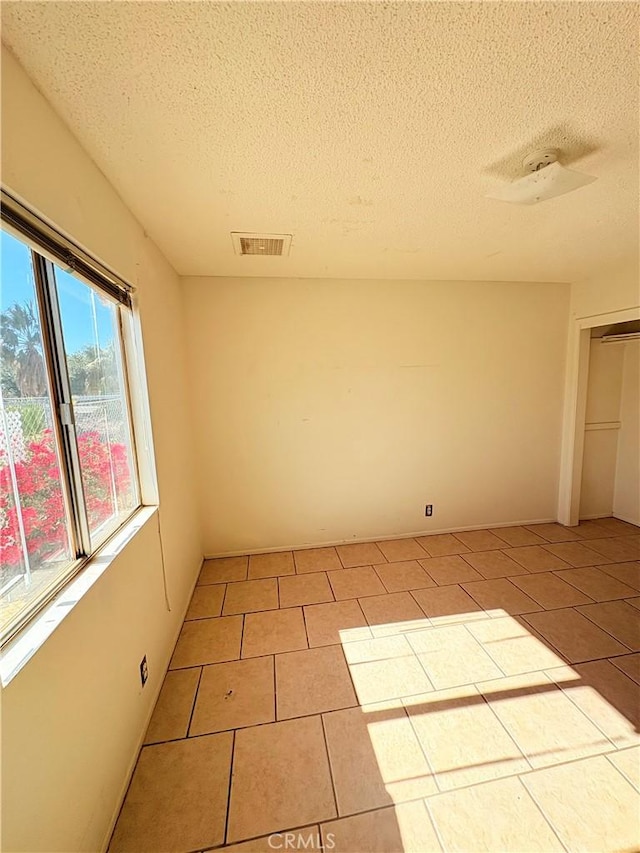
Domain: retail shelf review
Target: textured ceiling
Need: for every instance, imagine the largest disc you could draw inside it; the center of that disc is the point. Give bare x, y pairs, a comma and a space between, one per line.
368, 130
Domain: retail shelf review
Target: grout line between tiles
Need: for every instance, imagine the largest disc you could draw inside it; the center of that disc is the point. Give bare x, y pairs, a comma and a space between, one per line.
568, 694
506, 730
195, 699
226, 817
606, 631
422, 749
608, 755
543, 813
486, 650
224, 598
276, 717
326, 749
436, 829
604, 575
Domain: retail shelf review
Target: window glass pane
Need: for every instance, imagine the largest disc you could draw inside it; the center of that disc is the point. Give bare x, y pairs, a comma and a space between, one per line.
34, 529
94, 361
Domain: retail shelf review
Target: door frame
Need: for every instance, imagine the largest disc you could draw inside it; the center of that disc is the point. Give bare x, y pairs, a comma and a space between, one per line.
575, 407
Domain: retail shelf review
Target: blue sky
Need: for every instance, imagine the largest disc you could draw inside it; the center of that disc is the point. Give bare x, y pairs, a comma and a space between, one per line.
83, 311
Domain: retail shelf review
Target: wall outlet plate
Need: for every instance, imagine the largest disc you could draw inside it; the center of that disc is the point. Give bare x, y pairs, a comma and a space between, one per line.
428, 510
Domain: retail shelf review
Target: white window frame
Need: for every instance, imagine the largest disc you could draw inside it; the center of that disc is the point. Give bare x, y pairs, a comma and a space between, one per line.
49, 248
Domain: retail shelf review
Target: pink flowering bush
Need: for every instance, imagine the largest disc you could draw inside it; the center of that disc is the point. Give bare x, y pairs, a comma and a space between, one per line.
104, 468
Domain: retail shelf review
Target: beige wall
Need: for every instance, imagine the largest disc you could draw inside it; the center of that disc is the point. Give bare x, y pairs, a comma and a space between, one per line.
73, 717
335, 410
616, 291
626, 499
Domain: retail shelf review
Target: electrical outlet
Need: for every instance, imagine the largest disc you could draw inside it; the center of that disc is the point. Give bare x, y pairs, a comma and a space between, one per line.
144, 671
428, 510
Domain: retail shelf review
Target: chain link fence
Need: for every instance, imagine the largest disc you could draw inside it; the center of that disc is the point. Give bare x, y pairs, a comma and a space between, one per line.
28, 417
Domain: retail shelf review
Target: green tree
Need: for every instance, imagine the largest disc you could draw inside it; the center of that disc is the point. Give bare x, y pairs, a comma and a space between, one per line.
93, 371
21, 352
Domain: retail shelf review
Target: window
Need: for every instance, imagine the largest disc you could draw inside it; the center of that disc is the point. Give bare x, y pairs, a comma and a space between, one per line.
68, 474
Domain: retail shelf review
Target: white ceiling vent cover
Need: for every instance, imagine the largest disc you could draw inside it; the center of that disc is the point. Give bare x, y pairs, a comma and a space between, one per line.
261, 244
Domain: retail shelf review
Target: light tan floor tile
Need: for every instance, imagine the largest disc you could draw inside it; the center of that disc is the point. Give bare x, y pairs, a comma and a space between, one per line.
597, 584
547, 727
494, 564
316, 560
375, 758
494, 816
273, 631
360, 554
171, 715
281, 778
480, 540
251, 596
234, 695
177, 799
445, 604
355, 583
576, 554
513, 646
591, 529
517, 536
575, 636
206, 602
208, 641
462, 739
378, 648
589, 804
550, 591
628, 573
223, 570
399, 550
616, 527
307, 838
553, 532
451, 656
393, 613
311, 588
605, 695
405, 827
536, 559
627, 761
336, 622
500, 595
617, 550
442, 545
312, 681
400, 577
616, 618
271, 565
448, 570
391, 678
630, 665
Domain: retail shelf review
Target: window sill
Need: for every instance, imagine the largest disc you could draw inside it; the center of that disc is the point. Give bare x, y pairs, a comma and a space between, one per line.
21, 648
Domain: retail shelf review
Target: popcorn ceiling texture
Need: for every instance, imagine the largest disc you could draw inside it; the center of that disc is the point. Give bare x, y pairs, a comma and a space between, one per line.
367, 130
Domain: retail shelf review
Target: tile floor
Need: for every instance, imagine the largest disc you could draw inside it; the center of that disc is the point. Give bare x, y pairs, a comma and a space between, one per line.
476, 691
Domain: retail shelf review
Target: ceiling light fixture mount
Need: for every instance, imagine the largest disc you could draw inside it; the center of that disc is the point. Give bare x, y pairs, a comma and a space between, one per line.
545, 179
539, 159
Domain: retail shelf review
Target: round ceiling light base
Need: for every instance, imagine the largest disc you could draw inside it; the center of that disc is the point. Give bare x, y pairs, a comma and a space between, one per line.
539, 159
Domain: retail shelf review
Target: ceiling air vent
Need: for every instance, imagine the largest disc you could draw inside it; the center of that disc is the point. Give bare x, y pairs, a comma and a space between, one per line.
261, 244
